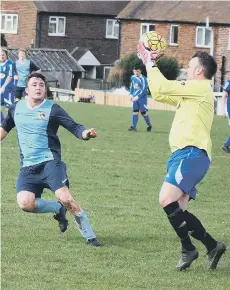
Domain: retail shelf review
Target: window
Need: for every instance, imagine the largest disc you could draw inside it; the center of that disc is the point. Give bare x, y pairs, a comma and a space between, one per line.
203, 36
146, 27
112, 28
57, 26
174, 34
107, 70
9, 23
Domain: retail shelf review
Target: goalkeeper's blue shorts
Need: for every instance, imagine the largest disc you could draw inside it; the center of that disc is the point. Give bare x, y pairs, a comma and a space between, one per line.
140, 105
186, 168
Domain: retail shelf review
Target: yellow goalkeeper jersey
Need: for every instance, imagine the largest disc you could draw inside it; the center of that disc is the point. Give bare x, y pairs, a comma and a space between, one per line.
195, 109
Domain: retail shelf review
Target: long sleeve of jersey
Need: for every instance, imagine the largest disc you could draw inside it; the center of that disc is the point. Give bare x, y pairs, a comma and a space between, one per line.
171, 92
62, 118
8, 123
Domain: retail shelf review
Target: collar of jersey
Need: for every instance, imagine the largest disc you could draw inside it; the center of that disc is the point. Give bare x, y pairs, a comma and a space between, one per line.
36, 107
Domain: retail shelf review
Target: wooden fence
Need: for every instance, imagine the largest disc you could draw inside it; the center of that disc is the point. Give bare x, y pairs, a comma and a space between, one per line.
111, 99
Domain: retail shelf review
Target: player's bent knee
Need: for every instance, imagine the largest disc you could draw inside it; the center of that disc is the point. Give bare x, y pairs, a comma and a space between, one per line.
26, 201
164, 202
169, 193
143, 114
66, 200
64, 195
26, 205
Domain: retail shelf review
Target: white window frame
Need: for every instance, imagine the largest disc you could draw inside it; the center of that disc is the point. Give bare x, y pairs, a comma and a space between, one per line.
115, 23
56, 21
11, 16
204, 30
170, 36
146, 24
105, 68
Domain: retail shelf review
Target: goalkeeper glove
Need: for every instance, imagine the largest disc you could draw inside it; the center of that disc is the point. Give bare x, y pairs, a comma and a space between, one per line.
148, 57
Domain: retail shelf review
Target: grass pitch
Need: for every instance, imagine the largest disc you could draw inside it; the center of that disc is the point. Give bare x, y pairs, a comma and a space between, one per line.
116, 179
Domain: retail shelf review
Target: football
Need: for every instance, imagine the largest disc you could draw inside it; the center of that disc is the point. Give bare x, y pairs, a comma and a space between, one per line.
153, 41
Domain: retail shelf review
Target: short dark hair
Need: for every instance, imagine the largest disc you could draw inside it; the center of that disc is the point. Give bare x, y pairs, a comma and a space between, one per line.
22, 50
36, 75
137, 67
208, 62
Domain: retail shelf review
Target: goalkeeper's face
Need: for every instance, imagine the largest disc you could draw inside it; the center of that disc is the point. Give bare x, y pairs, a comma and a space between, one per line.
194, 70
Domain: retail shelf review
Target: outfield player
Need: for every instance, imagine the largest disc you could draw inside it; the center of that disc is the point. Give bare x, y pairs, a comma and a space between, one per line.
7, 71
24, 67
139, 97
190, 143
226, 112
37, 120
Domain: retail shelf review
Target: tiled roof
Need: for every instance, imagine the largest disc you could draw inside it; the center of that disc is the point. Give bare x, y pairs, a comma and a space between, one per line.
178, 11
111, 8
49, 59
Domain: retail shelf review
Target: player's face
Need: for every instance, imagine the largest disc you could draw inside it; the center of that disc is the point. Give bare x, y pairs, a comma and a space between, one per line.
3, 56
137, 72
21, 55
194, 69
36, 89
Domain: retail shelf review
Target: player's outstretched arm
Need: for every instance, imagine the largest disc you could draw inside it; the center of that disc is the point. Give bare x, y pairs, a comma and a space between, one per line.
62, 118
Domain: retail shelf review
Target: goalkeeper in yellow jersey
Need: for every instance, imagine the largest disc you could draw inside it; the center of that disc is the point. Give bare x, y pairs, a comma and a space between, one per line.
190, 144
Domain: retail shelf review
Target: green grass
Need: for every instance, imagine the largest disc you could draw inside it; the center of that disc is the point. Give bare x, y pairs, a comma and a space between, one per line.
116, 179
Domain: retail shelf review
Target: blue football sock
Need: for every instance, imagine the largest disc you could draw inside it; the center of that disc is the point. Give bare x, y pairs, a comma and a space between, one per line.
147, 120
134, 121
227, 143
45, 206
84, 226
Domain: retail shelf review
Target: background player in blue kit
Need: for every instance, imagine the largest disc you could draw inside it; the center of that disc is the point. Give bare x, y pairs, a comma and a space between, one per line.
139, 97
226, 112
37, 120
7, 72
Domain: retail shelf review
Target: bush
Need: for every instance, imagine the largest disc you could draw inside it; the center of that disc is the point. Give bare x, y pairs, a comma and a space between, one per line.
121, 73
169, 67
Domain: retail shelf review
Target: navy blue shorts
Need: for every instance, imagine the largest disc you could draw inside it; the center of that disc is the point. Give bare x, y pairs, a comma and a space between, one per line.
51, 174
140, 105
186, 168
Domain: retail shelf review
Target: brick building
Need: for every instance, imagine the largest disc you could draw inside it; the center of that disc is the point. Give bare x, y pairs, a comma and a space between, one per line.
182, 23
65, 24
18, 22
